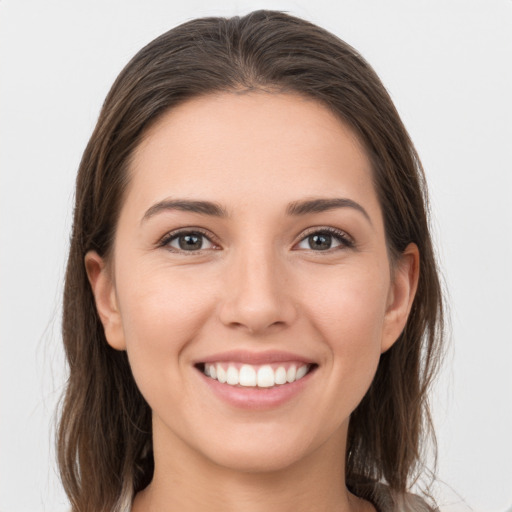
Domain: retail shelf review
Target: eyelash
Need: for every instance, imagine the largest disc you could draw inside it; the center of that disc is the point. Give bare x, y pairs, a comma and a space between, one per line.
345, 241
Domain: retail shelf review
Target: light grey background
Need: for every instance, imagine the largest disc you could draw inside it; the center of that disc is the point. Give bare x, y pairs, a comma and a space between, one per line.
448, 67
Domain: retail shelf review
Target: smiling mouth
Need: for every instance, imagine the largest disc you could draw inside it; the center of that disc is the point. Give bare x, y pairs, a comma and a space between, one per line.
256, 376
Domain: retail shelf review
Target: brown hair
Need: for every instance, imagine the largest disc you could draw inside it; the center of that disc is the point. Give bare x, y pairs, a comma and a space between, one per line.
104, 439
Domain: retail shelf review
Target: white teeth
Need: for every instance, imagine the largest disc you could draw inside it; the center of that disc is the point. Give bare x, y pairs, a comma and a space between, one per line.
232, 376
290, 374
247, 376
280, 375
266, 377
301, 372
221, 374
250, 376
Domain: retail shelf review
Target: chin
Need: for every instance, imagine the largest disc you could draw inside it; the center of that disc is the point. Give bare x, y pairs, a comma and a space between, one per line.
246, 460
263, 450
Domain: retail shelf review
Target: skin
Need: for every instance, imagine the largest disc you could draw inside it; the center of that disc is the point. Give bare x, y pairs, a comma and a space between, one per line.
257, 284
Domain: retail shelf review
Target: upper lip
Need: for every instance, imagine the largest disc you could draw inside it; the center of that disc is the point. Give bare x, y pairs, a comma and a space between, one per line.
251, 357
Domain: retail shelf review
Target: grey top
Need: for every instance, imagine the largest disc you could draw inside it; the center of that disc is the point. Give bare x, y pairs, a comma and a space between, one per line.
380, 496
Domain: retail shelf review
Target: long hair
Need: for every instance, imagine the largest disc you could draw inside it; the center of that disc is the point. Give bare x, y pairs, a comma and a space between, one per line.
104, 439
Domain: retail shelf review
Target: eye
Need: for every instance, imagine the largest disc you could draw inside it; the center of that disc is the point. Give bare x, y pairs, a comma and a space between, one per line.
325, 239
188, 241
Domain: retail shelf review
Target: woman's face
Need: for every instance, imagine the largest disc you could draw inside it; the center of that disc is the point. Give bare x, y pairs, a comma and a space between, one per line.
250, 247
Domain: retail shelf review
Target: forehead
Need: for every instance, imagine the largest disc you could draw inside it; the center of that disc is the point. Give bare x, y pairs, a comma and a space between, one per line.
255, 148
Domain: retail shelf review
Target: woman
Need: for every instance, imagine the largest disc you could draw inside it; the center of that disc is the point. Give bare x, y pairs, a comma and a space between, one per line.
252, 312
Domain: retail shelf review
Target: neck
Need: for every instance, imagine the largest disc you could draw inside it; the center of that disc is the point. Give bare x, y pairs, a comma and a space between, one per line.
185, 481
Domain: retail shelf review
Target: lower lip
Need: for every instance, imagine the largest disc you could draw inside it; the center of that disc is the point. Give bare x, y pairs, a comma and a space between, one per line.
252, 398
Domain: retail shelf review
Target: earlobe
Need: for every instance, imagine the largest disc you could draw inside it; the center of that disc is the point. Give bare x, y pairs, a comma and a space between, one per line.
401, 295
104, 293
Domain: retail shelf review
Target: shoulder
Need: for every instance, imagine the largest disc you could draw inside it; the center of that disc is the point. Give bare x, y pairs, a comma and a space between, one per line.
385, 501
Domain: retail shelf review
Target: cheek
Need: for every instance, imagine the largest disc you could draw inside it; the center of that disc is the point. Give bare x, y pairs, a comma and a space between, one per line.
349, 316
158, 303
349, 305
161, 313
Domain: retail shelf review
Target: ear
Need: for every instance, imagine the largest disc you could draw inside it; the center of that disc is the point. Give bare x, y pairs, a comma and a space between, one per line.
401, 295
104, 293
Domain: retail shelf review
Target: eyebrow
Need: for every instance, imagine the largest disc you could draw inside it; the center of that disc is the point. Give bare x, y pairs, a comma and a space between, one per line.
324, 205
186, 205
213, 209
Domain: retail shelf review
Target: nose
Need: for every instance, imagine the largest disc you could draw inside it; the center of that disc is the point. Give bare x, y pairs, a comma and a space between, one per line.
258, 297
